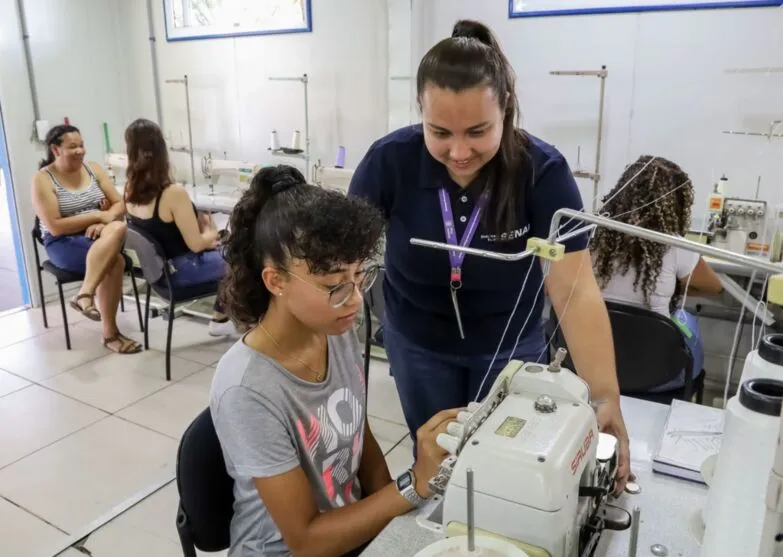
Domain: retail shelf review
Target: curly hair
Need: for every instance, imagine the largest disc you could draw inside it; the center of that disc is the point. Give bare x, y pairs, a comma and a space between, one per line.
659, 197
148, 172
281, 217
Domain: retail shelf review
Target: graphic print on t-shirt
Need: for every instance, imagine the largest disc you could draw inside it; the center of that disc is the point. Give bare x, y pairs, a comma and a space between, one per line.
333, 440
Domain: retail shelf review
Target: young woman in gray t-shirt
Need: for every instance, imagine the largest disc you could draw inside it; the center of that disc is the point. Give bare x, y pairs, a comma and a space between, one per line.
288, 400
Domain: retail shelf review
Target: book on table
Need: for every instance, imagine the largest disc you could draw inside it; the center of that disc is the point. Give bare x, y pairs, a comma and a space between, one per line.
692, 434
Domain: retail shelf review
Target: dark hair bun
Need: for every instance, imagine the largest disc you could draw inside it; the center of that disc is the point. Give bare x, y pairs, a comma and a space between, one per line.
470, 29
274, 179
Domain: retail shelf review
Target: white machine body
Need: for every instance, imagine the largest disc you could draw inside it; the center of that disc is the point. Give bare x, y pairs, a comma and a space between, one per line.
530, 454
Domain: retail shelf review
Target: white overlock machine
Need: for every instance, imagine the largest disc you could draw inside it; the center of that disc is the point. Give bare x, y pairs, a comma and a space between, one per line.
543, 472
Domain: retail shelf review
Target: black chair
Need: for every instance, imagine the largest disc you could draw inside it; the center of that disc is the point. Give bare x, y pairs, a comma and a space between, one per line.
206, 491
373, 306
649, 350
155, 269
62, 277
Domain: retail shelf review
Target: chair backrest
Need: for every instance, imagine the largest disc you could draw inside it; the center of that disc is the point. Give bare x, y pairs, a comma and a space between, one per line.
37, 234
149, 252
374, 297
649, 348
206, 491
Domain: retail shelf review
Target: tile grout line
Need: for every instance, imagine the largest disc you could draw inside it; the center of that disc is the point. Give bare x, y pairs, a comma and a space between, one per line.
42, 519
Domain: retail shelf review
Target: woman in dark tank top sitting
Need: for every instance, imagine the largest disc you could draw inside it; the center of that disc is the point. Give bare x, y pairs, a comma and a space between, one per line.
163, 209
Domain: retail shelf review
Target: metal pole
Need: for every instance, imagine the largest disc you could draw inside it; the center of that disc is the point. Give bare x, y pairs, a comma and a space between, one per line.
596, 177
306, 80
497, 255
190, 134
28, 58
722, 254
471, 514
634, 541
155, 72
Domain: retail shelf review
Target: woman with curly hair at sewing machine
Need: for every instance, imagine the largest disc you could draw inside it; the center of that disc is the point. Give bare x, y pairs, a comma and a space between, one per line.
289, 399
656, 194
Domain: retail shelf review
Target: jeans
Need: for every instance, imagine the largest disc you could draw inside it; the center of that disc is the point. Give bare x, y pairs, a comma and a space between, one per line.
689, 326
192, 269
429, 382
68, 252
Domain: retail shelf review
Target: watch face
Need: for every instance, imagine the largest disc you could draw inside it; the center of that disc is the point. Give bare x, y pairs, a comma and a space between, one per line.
404, 481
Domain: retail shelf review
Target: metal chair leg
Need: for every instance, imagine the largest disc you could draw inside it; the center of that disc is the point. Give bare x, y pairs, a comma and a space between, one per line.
146, 327
122, 303
172, 304
136, 296
185, 539
65, 316
43, 301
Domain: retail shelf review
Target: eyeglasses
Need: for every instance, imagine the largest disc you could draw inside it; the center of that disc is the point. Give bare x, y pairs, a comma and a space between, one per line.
340, 294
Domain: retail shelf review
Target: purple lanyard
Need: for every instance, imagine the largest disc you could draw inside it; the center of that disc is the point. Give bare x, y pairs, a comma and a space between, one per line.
456, 258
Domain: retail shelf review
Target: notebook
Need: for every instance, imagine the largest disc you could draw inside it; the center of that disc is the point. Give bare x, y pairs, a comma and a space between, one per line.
692, 434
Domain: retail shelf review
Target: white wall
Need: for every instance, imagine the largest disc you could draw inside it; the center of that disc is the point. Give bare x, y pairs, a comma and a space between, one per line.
667, 90
78, 68
235, 106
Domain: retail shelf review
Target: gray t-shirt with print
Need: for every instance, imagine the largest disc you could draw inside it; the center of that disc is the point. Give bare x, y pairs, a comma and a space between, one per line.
270, 422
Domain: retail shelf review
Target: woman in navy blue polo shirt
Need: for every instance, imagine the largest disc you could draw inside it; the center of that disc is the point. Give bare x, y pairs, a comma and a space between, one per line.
468, 164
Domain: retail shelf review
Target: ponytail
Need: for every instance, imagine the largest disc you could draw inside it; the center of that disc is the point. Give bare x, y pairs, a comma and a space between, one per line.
473, 57
248, 245
55, 137
280, 218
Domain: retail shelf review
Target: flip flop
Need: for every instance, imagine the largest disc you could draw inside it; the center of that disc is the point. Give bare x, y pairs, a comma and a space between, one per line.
89, 311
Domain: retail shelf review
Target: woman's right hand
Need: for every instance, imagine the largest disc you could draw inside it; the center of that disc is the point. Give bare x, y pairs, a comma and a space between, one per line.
430, 455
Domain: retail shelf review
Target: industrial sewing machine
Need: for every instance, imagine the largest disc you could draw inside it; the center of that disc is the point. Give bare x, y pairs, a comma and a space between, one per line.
736, 224
543, 471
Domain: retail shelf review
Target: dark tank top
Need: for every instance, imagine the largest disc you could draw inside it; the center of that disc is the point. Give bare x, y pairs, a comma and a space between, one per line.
165, 233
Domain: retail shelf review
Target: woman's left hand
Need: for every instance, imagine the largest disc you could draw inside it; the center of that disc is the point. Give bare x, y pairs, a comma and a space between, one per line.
610, 420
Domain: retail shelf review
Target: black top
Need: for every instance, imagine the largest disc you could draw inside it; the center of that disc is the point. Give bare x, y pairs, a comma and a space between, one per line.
167, 234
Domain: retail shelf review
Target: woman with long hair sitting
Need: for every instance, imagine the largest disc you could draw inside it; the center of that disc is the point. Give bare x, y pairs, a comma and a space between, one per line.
656, 194
163, 209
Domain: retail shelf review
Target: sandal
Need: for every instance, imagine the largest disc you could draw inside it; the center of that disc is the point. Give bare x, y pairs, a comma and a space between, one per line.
126, 346
89, 311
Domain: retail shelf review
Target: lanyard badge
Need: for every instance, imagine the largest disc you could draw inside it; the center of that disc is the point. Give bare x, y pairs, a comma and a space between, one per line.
456, 258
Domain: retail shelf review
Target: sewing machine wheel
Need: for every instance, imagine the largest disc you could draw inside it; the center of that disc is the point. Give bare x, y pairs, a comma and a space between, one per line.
458, 547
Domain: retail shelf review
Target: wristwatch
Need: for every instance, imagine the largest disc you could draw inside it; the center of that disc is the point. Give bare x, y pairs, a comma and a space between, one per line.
406, 485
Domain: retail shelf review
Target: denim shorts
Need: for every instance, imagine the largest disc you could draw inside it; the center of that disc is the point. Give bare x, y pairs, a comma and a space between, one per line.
68, 252
191, 269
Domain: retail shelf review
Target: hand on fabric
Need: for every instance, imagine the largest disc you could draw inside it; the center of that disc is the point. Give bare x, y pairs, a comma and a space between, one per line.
94, 231
430, 455
610, 420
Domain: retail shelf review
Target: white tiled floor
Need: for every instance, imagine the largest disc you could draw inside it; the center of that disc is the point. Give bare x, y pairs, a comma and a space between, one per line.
83, 431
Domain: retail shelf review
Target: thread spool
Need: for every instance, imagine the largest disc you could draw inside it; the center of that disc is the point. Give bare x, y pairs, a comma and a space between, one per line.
274, 141
766, 361
340, 162
735, 509
296, 140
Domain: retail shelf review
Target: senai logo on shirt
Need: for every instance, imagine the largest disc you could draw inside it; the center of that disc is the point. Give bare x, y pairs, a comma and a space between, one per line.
507, 236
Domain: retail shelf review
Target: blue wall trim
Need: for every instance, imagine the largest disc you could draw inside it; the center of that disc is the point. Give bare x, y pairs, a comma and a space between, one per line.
307, 29
658, 8
12, 218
